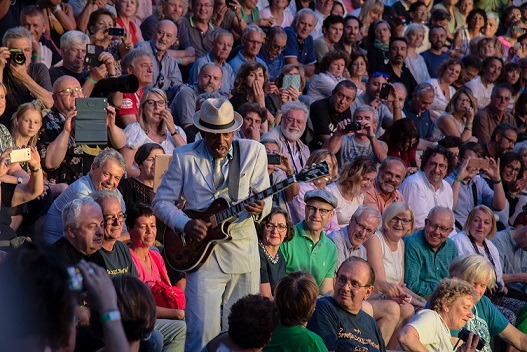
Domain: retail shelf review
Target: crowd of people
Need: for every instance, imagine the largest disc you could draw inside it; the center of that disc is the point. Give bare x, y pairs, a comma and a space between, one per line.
344, 175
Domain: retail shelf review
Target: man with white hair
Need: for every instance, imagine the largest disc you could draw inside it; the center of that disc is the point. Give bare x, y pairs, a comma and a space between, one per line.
300, 48
252, 40
361, 140
73, 48
294, 121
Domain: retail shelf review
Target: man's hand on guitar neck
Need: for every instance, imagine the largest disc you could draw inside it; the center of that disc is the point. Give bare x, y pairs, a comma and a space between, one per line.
196, 229
255, 208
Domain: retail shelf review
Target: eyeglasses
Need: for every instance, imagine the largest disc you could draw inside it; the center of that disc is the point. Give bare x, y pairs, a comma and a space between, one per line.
70, 91
434, 227
112, 219
363, 227
510, 140
441, 167
512, 168
380, 74
343, 280
159, 103
277, 47
280, 227
396, 219
313, 209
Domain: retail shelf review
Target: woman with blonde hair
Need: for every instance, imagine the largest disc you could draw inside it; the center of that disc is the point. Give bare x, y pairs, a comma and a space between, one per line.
26, 123
297, 205
371, 11
356, 178
155, 125
488, 320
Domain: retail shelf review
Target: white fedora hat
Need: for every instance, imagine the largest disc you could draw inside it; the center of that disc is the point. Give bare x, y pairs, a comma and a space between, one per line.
217, 116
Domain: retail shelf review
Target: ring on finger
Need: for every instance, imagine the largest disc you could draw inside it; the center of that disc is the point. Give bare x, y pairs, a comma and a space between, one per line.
91, 271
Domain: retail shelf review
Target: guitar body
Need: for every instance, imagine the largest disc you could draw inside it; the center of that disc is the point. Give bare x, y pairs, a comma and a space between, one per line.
191, 255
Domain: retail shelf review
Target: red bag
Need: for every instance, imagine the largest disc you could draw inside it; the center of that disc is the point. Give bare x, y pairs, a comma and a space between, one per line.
168, 296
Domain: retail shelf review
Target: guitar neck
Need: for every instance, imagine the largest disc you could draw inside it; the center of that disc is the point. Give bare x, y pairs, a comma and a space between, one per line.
238, 208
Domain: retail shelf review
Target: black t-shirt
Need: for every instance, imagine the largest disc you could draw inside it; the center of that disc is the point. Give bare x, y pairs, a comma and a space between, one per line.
12, 18
72, 256
343, 331
57, 72
324, 120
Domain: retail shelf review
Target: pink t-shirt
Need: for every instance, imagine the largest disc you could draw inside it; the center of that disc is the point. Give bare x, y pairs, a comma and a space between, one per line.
158, 273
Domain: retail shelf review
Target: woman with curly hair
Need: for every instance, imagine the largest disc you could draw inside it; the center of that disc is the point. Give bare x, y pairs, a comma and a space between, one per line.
249, 87
476, 22
275, 229
355, 179
332, 69
449, 308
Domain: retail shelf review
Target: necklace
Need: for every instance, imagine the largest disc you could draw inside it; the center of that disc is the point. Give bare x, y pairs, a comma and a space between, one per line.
267, 255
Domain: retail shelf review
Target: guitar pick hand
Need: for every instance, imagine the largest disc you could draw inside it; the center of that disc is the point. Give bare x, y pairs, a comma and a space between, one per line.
196, 229
255, 208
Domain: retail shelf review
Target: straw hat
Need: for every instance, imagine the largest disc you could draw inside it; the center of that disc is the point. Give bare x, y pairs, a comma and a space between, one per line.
217, 116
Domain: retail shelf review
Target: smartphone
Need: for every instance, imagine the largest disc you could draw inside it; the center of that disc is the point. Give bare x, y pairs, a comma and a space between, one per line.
385, 91
291, 80
116, 32
20, 155
274, 159
463, 335
478, 163
76, 281
90, 122
92, 55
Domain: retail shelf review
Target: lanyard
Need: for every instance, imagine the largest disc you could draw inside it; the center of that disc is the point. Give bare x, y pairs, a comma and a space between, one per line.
293, 158
487, 251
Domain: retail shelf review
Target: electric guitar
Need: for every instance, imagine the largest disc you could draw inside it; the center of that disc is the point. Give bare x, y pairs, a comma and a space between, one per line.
187, 254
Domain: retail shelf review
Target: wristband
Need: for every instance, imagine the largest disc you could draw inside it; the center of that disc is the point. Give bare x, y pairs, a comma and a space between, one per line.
91, 2
91, 80
179, 61
240, 18
128, 47
38, 57
496, 182
36, 170
110, 316
458, 179
371, 137
469, 123
173, 134
57, 8
271, 123
381, 296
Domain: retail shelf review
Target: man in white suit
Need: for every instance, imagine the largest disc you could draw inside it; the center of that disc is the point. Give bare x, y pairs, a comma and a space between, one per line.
232, 271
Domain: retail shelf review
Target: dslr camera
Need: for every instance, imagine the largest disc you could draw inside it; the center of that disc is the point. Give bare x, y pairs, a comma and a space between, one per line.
17, 55
354, 126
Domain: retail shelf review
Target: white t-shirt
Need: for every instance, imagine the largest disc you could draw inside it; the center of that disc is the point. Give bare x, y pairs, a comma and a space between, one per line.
432, 330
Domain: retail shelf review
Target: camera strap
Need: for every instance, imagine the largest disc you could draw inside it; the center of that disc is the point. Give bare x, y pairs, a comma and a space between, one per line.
485, 247
292, 156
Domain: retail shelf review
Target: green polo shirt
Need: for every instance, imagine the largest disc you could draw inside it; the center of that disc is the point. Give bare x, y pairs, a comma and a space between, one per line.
302, 254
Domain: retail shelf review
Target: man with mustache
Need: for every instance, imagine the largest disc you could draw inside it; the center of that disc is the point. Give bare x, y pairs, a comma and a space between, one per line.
165, 70
488, 118
105, 173
385, 188
331, 111
396, 67
185, 103
287, 135
351, 36
502, 140
221, 49
427, 188
202, 171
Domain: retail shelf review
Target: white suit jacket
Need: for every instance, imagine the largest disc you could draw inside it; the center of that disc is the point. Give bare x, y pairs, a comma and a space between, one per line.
190, 173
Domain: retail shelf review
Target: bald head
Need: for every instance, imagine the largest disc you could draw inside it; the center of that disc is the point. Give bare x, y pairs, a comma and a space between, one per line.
165, 35
66, 90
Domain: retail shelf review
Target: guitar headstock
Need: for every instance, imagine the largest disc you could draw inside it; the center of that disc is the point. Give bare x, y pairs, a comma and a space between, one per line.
313, 172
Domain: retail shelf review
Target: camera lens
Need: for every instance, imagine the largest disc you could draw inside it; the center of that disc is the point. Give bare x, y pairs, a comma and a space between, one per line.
354, 126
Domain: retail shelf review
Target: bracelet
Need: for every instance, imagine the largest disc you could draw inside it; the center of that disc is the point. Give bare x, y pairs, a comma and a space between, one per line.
271, 123
110, 316
179, 61
56, 8
469, 123
173, 134
38, 57
381, 296
36, 170
497, 182
458, 179
371, 137
91, 80
91, 2
420, 299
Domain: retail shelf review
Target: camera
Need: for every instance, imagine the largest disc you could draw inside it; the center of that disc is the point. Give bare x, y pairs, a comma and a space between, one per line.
463, 335
17, 55
123, 84
274, 159
354, 126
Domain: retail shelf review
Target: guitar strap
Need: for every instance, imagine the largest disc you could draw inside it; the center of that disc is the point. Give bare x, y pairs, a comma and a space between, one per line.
234, 172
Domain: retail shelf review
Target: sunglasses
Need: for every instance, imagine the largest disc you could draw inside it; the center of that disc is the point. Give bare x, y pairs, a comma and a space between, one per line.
380, 74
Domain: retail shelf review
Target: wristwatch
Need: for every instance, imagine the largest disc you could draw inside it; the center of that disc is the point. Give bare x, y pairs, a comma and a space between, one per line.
20, 180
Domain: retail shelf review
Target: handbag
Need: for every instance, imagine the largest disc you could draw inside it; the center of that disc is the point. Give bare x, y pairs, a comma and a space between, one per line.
168, 296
